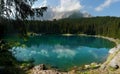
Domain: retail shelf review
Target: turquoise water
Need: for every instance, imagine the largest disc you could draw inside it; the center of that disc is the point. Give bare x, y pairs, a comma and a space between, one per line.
63, 52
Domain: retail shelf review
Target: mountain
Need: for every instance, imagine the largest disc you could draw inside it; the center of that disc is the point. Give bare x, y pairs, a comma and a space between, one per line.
79, 15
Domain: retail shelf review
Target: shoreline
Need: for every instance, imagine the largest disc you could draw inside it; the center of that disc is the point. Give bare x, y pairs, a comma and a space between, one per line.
104, 37
112, 62
116, 41
112, 53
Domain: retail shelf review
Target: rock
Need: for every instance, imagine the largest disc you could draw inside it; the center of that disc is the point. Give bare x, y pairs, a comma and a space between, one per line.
115, 49
103, 66
93, 64
40, 67
47, 72
87, 66
116, 66
115, 62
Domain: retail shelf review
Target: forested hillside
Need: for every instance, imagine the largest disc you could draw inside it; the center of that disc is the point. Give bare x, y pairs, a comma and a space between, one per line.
107, 26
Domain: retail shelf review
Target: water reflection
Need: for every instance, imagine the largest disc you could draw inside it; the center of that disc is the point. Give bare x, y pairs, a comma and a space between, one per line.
59, 55
63, 52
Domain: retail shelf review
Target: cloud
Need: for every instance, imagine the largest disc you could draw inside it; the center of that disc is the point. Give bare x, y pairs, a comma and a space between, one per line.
69, 5
44, 52
44, 3
39, 3
20, 53
63, 51
63, 10
107, 3
29, 53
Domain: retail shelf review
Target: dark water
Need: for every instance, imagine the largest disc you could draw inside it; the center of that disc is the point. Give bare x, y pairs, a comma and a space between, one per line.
63, 52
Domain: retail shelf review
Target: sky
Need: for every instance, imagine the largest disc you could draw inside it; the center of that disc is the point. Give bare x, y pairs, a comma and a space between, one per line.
58, 9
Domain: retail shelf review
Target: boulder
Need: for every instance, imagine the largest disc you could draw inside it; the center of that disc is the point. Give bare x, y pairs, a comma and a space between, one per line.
40, 67
114, 63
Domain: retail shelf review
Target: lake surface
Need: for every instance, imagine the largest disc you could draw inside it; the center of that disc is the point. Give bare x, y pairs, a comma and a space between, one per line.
63, 52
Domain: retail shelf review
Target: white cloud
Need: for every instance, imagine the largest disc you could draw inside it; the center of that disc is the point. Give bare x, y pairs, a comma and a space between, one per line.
40, 3
107, 3
65, 52
44, 3
26, 54
63, 10
69, 5
44, 52
20, 53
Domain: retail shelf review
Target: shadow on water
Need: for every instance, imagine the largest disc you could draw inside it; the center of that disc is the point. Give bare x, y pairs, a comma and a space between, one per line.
72, 41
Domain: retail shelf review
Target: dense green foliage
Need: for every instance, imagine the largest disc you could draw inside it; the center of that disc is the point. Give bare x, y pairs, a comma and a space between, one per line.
18, 10
8, 63
106, 26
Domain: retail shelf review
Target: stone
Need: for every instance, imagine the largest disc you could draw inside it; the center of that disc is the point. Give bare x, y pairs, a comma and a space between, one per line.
40, 67
87, 66
115, 62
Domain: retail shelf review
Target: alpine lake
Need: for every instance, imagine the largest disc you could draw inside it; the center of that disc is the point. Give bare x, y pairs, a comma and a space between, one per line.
62, 52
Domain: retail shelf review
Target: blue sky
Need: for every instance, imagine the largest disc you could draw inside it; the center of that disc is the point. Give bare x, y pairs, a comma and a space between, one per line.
93, 7
113, 8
